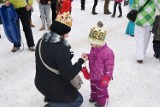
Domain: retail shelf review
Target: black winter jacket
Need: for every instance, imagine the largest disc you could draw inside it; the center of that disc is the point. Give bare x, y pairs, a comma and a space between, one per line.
56, 87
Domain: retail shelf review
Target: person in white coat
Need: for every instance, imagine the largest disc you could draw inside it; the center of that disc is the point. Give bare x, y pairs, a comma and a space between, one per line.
143, 25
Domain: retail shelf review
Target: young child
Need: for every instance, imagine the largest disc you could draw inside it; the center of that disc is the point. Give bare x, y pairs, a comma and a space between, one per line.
119, 6
101, 64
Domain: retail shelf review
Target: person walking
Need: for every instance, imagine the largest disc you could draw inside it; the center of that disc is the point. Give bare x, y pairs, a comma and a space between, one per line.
44, 8
106, 7
94, 7
119, 3
143, 25
83, 4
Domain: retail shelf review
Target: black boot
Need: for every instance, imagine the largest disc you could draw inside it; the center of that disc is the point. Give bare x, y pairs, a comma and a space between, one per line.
120, 16
113, 15
91, 100
94, 13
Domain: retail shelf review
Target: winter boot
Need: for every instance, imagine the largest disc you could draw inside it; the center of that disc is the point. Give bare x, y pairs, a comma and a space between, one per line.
15, 49
140, 61
94, 13
97, 105
113, 15
92, 100
42, 28
120, 16
32, 48
31, 24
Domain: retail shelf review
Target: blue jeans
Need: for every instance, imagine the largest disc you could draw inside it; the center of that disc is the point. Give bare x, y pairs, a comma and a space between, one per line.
76, 103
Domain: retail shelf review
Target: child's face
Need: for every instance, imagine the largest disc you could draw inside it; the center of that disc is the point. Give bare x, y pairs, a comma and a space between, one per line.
95, 45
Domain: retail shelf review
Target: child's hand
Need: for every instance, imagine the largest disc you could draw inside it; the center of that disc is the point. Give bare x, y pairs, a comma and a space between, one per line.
85, 73
28, 7
105, 80
84, 57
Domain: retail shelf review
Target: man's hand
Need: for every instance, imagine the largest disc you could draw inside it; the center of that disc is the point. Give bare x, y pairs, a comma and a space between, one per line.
28, 7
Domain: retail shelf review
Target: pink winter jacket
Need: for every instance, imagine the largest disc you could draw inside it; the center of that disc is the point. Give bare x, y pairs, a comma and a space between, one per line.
101, 62
118, 0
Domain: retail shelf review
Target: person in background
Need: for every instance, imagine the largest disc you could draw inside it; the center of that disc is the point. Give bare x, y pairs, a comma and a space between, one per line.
55, 52
94, 7
53, 9
119, 3
30, 14
1, 3
22, 9
83, 4
106, 7
44, 8
101, 65
143, 25
131, 25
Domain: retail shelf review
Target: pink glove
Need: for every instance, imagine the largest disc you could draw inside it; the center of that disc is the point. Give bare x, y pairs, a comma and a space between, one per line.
85, 73
105, 80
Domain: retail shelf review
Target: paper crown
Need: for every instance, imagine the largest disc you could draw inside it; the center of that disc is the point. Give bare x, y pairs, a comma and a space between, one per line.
97, 34
64, 18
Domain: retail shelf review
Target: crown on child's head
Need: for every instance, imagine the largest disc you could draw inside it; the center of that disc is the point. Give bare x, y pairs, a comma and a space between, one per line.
64, 18
97, 34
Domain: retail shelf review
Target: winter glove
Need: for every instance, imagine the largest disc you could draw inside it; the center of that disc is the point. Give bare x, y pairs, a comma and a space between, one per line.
72, 54
85, 73
105, 80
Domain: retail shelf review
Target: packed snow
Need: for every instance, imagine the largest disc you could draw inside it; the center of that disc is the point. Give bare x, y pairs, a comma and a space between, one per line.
133, 85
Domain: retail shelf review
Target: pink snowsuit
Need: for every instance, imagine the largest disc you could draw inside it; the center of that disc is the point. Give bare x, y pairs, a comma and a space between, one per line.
101, 63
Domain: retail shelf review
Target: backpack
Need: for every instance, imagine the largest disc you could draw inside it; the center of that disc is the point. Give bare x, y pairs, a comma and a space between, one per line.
156, 28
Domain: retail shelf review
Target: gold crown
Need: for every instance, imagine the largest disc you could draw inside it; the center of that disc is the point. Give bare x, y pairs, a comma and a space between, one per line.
64, 18
97, 35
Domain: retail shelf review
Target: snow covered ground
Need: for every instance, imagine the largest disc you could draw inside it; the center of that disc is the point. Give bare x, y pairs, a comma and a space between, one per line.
134, 85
